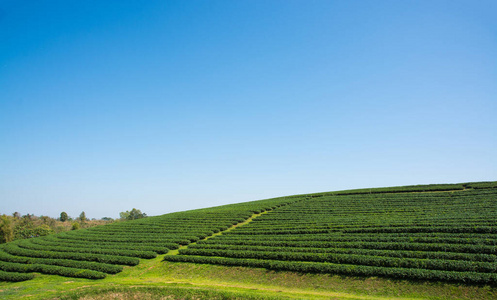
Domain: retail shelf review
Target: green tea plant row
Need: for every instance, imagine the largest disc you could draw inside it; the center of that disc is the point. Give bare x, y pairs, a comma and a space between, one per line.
399, 189
393, 229
482, 185
348, 258
96, 266
325, 237
129, 239
159, 249
15, 276
118, 252
447, 239
101, 258
415, 232
414, 188
390, 253
93, 253
460, 248
343, 269
448, 233
51, 269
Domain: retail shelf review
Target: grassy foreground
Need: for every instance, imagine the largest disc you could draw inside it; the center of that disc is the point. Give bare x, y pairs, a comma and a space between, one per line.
155, 279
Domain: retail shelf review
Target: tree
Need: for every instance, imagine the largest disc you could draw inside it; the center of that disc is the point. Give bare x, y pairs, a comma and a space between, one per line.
82, 217
136, 214
124, 215
28, 217
132, 215
26, 221
6, 231
63, 216
47, 221
75, 226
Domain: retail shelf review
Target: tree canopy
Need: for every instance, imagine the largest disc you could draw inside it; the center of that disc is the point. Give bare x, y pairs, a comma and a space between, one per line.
132, 215
63, 216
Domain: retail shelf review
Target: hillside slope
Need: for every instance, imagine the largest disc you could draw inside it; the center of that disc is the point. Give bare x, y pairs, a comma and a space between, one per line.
95, 252
416, 233
434, 232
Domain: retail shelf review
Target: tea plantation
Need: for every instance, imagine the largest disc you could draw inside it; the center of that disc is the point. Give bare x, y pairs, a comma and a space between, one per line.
432, 232
94, 252
440, 233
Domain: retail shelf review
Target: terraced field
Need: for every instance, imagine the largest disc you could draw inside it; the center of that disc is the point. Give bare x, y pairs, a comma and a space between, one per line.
416, 233
95, 252
434, 232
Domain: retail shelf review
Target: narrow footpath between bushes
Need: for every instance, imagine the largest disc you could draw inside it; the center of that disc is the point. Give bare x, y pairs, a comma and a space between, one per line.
176, 252
250, 219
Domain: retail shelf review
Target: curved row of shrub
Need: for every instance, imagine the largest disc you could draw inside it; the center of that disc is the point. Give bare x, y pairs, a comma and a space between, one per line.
434, 236
51, 269
15, 276
399, 232
352, 270
130, 253
95, 266
478, 257
102, 258
461, 248
94, 252
353, 259
84, 245
447, 239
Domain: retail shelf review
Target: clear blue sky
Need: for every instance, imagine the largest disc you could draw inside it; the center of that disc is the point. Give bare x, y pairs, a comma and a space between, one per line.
174, 105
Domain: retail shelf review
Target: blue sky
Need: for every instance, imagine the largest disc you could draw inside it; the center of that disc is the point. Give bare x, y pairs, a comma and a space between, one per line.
173, 105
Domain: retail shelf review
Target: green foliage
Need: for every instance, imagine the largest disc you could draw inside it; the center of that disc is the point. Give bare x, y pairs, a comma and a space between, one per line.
398, 189
352, 259
102, 258
30, 226
134, 214
96, 266
43, 230
51, 269
82, 217
481, 185
6, 231
63, 216
14, 276
343, 269
75, 226
157, 248
124, 243
95, 249
414, 232
433, 232
29, 231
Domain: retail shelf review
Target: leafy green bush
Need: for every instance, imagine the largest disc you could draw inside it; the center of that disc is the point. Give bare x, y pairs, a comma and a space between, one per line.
14, 277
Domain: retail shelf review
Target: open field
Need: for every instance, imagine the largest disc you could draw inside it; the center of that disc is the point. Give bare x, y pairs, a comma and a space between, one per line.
417, 242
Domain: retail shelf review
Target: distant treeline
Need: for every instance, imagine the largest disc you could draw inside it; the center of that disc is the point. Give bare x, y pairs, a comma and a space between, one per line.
16, 227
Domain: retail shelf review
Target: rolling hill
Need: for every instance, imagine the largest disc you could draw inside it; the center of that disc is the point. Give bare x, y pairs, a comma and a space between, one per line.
434, 233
